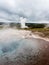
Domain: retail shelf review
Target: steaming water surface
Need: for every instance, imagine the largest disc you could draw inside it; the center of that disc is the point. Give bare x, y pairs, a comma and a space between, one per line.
11, 40
14, 46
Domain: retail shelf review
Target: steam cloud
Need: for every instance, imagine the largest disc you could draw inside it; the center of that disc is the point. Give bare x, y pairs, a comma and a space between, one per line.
13, 43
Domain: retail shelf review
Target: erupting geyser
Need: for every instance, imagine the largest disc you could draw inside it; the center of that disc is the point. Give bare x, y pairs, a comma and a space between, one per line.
23, 21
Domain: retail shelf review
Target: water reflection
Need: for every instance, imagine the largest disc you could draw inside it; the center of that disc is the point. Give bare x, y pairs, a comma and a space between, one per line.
23, 51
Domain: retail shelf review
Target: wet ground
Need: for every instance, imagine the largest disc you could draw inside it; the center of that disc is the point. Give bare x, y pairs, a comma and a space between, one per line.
24, 51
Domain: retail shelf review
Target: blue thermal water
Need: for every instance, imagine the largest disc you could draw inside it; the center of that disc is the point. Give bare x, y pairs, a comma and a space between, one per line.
8, 48
15, 45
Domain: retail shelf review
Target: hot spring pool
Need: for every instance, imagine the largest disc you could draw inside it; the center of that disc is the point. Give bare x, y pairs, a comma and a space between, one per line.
14, 45
17, 50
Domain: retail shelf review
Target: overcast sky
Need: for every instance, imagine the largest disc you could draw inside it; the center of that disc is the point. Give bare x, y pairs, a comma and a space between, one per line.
31, 10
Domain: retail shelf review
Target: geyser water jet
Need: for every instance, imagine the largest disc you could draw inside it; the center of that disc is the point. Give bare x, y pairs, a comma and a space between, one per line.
23, 21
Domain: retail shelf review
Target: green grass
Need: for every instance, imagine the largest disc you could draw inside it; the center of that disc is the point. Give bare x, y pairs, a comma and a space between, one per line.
1, 27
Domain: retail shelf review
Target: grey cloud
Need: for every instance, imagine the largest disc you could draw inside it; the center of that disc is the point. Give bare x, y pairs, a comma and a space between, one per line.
32, 10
